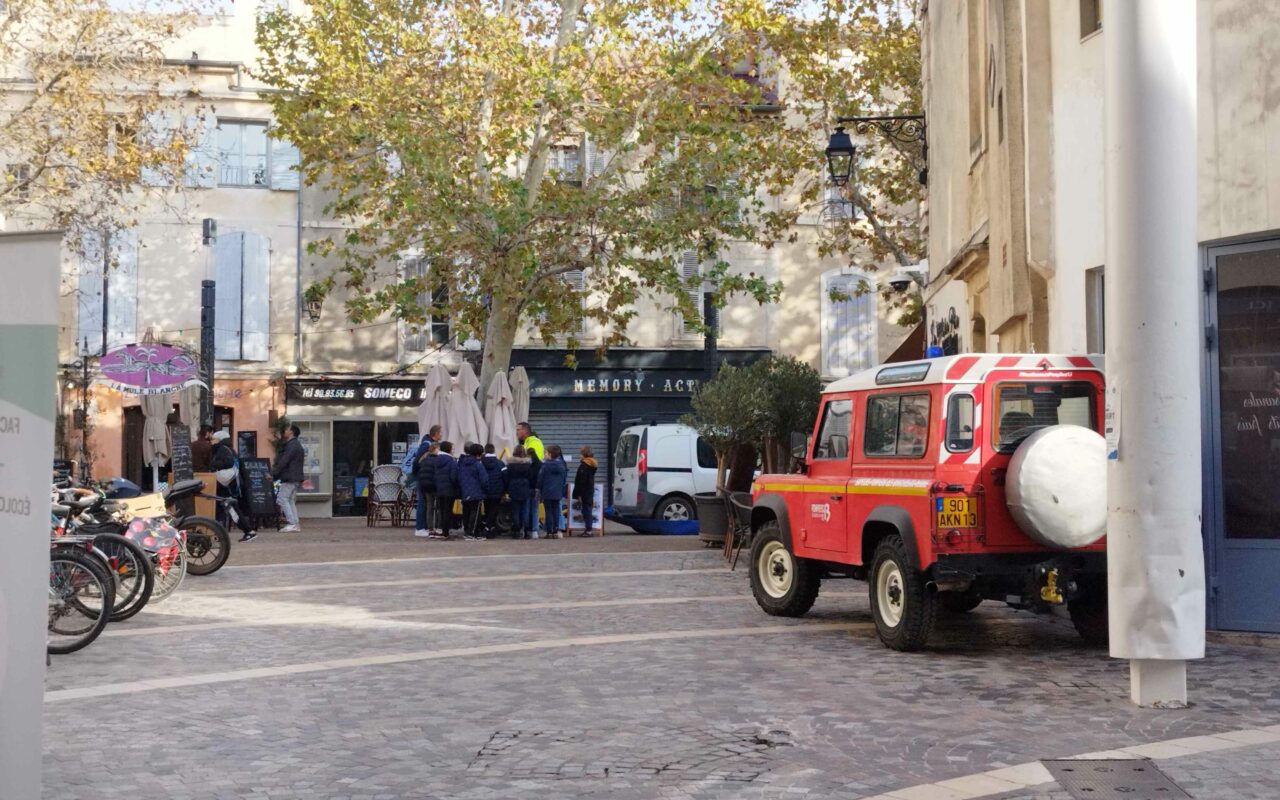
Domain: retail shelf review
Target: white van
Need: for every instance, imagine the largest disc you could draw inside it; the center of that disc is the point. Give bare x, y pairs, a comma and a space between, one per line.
658, 468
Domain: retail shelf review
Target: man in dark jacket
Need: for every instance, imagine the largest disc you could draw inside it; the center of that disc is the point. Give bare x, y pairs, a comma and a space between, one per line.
409, 467
288, 470
202, 449
446, 474
493, 467
472, 480
553, 480
424, 471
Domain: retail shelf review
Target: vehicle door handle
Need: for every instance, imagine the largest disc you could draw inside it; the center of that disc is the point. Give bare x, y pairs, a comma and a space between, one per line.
837, 497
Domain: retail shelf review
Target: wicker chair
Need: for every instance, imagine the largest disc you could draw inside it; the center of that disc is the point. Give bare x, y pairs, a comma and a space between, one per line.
384, 495
739, 525
406, 512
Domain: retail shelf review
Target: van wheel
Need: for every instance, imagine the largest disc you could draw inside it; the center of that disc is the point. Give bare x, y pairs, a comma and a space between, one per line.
1088, 612
783, 585
675, 509
902, 605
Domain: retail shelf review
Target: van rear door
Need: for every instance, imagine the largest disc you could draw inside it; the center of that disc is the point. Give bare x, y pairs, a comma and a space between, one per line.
626, 476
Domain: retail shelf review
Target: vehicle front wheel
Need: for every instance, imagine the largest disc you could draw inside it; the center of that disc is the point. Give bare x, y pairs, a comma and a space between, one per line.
783, 585
903, 606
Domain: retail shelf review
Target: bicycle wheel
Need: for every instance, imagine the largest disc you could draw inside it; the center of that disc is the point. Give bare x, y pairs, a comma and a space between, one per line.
135, 576
81, 592
171, 568
208, 545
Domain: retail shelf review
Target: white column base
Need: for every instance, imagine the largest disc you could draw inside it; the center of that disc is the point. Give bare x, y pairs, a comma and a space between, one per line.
1158, 683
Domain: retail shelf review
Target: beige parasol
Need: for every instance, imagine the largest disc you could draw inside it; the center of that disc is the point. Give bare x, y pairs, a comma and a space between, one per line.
434, 408
500, 415
520, 394
155, 431
464, 422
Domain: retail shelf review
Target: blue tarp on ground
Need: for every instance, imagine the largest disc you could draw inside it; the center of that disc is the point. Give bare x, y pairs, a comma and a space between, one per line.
688, 527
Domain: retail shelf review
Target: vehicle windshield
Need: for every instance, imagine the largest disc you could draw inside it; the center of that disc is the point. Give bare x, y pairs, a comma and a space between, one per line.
1024, 408
628, 449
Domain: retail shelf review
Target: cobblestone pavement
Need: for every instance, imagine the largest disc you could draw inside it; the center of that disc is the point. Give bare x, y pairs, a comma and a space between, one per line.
589, 674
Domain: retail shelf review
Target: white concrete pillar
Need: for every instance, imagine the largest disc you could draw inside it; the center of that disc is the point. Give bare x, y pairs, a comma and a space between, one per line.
1154, 549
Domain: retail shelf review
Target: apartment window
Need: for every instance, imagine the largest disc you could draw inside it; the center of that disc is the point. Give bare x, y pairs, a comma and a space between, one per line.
565, 163
1095, 310
434, 332
242, 296
1090, 17
242, 153
107, 296
19, 176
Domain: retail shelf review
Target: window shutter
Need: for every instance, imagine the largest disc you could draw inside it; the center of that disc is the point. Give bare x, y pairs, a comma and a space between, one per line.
691, 268
577, 282
848, 326
157, 131
202, 157
416, 341
228, 257
122, 289
284, 165
255, 298
89, 311
595, 159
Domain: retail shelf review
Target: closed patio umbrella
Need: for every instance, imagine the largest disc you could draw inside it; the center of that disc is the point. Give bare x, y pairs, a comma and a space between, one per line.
520, 394
464, 421
434, 408
500, 415
189, 407
155, 432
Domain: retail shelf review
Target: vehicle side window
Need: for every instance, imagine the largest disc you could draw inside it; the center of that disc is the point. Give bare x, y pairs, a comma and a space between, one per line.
833, 434
960, 423
897, 425
706, 454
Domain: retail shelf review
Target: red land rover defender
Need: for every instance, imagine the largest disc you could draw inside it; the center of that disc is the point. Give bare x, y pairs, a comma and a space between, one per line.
945, 482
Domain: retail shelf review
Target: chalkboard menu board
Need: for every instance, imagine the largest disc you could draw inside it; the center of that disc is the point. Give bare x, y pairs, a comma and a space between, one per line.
180, 453
247, 444
256, 484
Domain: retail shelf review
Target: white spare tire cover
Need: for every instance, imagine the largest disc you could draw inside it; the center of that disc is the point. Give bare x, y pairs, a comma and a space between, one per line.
1056, 486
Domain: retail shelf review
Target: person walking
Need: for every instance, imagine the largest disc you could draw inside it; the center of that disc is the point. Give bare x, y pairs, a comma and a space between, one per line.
553, 480
409, 469
493, 489
472, 479
202, 449
424, 471
288, 470
584, 487
446, 474
518, 478
226, 465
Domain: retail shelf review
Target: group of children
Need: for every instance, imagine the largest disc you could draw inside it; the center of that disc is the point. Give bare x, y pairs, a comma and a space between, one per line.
479, 480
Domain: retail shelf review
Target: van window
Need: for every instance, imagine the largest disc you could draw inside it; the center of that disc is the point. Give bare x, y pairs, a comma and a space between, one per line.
960, 423
628, 451
897, 425
833, 435
706, 454
1021, 409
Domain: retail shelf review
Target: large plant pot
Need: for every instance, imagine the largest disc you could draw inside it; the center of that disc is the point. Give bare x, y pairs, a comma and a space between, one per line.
713, 517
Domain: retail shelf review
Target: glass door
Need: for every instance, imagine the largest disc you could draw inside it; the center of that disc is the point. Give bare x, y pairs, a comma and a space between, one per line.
1244, 436
352, 465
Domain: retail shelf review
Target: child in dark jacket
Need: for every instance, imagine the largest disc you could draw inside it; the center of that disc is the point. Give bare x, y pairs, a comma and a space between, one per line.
424, 469
472, 480
584, 488
493, 487
446, 488
519, 484
553, 479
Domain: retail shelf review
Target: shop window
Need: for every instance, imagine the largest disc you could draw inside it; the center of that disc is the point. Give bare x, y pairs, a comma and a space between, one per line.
315, 456
107, 296
848, 323
960, 423
1094, 310
897, 425
833, 435
242, 300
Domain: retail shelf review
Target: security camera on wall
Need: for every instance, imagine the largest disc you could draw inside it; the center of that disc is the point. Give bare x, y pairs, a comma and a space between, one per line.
900, 279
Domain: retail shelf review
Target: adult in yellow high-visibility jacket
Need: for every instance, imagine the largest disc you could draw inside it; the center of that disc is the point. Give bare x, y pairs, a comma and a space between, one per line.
530, 440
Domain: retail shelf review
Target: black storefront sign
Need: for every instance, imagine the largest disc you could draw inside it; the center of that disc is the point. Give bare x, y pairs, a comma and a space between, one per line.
612, 383
247, 444
356, 392
257, 485
180, 457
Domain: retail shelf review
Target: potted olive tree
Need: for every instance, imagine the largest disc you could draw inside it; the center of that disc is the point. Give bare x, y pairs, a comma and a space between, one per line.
727, 414
792, 390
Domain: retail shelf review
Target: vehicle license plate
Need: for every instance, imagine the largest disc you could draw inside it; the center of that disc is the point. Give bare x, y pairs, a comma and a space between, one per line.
957, 512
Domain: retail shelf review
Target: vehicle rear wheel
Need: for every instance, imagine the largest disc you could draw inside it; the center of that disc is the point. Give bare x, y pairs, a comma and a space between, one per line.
675, 509
208, 545
903, 606
1088, 611
959, 602
783, 585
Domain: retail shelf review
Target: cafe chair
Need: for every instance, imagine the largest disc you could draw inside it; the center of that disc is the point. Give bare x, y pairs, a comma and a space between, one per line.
383, 503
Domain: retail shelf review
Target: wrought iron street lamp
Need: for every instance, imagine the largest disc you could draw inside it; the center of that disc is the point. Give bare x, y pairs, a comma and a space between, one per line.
908, 130
840, 154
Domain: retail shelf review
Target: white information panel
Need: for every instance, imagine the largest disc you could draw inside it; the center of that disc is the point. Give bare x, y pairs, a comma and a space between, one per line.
29, 266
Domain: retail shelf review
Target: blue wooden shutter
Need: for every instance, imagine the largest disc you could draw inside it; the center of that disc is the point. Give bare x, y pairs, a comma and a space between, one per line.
89, 310
255, 298
284, 165
228, 255
848, 325
690, 268
122, 289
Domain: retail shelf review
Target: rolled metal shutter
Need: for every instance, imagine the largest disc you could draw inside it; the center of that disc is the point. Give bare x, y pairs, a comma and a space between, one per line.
573, 429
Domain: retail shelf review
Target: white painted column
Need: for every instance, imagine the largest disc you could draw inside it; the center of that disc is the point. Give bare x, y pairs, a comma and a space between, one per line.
30, 265
1154, 549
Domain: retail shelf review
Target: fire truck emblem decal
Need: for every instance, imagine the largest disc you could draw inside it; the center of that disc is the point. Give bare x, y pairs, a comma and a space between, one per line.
820, 511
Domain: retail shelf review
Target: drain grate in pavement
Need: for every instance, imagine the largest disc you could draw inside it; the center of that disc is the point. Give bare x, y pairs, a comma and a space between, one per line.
690, 753
1114, 780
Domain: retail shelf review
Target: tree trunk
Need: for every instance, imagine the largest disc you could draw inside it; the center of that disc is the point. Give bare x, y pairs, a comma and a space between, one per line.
499, 340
